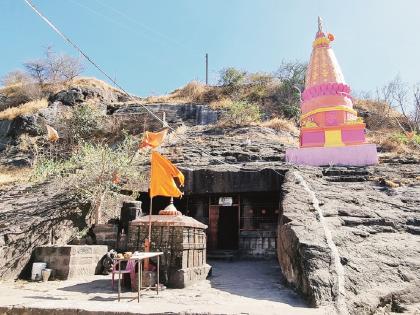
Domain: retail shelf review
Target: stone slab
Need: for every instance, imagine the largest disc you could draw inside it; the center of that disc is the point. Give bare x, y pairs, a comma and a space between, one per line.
71, 261
356, 155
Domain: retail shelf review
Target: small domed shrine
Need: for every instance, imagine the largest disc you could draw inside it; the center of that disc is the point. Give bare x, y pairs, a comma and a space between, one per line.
331, 133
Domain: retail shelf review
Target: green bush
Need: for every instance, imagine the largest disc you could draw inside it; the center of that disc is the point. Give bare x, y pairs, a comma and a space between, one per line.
292, 77
94, 169
84, 121
231, 77
261, 86
405, 139
242, 113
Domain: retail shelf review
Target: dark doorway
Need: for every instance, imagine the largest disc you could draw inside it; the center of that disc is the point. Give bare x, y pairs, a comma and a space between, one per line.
228, 228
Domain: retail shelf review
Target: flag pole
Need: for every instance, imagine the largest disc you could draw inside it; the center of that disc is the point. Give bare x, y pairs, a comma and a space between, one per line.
150, 219
148, 240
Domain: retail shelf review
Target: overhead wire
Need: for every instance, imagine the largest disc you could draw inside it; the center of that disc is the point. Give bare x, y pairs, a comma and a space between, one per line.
149, 29
158, 38
150, 112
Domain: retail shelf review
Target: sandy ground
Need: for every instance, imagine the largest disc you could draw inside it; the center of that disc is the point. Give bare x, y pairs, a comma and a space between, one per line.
244, 287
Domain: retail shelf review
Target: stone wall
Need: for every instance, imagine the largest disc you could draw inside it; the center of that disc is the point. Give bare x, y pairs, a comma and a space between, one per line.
257, 244
176, 114
71, 261
106, 234
184, 248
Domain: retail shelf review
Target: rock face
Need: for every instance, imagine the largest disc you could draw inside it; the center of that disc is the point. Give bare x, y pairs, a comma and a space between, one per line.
176, 114
32, 216
363, 255
208, 145
4, 130
79, 94
375, 234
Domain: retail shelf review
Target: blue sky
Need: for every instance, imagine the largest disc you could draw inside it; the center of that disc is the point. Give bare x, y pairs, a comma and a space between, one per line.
153, 47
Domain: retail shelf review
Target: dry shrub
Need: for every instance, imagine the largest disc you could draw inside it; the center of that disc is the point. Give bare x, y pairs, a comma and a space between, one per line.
281, 124
194, 91
27, 108
379, 115
241, 114
26, 143
19, 93
387, 142
93, 82
223, 103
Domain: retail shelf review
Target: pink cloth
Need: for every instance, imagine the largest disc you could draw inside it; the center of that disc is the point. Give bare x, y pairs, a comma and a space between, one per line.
355, 155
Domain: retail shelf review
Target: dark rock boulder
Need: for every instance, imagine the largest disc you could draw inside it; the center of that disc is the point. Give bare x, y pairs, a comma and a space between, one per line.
69, 97
25, 124
3, 101
78, 95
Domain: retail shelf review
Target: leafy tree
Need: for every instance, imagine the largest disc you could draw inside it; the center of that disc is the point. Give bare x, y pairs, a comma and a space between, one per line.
94, 170
292, 77
82, 123
231, 77
242, 113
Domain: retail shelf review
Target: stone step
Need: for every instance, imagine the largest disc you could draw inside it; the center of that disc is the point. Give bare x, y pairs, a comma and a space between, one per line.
344, 171
348, 178
222, 254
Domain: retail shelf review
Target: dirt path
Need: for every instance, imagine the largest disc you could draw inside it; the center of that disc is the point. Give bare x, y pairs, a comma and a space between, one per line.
243, 287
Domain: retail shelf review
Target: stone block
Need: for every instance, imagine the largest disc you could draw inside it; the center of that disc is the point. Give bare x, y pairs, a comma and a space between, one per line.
181, 241
71, 261
185, 277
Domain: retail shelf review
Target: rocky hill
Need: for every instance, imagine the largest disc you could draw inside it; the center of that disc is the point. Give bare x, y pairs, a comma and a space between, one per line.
347, 236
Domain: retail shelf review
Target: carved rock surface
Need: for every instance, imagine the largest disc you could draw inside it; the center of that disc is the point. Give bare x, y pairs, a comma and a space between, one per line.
31, 216
374, 228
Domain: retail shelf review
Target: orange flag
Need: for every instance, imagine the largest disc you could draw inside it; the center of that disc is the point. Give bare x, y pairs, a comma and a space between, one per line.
153, 139
52, 134
163, 176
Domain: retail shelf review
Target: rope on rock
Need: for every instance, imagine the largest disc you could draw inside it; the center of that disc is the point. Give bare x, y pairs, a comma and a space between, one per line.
339, 288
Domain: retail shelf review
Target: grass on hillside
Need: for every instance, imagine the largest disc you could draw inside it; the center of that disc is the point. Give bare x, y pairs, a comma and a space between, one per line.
26, 108
281, 124
194, 91
14, 175
93, 82
395, 141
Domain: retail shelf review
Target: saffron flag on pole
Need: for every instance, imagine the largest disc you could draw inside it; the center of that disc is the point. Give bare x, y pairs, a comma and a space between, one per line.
153, 139
163, 174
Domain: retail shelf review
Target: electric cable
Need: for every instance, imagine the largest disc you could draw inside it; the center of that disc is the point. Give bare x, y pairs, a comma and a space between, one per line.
90, 60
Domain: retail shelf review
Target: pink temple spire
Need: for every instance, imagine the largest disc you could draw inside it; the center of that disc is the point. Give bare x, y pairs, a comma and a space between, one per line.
328, 119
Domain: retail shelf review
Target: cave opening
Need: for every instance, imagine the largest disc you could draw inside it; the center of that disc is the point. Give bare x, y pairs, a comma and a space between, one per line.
240, 208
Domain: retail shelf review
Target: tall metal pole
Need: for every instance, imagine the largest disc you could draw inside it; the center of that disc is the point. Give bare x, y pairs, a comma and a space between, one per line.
207, 69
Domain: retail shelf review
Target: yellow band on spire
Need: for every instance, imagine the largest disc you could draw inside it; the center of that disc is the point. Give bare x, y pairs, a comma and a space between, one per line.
328, 109
321, 41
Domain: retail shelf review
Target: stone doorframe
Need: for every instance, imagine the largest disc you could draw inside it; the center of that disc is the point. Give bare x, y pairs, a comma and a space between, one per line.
214, 210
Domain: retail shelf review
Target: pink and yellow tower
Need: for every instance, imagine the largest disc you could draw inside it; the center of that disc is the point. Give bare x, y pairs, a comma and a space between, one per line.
331, 133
